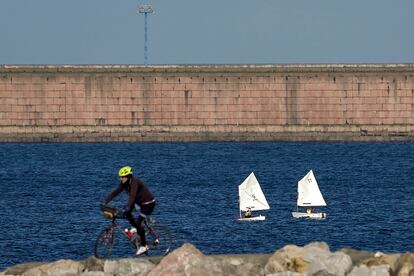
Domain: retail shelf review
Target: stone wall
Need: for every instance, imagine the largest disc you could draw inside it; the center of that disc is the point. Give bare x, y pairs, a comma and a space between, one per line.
207, 103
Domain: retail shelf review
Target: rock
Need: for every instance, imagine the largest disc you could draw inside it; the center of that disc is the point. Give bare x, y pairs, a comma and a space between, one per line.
95, 273
389, 260
289, 258
327, 263
312, 259
286, 273
61, 267
363, 270
406, 270
93, 264
405, 265
132, 266
318, 244
246, 264
20, 268
357, 256
187, 260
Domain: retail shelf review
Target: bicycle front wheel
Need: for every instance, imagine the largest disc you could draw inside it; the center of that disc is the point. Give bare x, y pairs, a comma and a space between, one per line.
112, 243
104, 243
159, 242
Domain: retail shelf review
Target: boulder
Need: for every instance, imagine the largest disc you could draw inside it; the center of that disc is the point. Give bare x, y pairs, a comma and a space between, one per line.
95, 273
326, 263
405, 265
389, 260
61, 267
289, 258
357, 256
363, 270
132, 266
286, 273
93, 264
243, 264
187, 260
20, 268
312, 259
319, 244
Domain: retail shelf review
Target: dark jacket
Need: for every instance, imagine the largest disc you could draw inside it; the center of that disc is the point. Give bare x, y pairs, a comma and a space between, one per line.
138, 192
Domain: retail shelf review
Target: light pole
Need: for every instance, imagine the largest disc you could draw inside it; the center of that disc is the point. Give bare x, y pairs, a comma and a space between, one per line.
145, 9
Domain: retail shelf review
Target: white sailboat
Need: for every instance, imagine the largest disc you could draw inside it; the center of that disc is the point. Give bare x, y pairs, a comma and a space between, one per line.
251, 198
309, 196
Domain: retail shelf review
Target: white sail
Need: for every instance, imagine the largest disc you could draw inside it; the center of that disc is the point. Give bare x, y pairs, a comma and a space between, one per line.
308, 192
251, 195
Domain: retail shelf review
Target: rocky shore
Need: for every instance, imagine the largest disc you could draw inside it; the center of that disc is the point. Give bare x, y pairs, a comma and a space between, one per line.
312, 259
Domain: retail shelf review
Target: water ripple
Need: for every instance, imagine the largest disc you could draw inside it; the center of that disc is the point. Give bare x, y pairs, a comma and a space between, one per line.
50, 195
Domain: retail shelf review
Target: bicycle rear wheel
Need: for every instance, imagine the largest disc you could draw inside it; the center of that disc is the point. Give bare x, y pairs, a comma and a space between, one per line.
160, 244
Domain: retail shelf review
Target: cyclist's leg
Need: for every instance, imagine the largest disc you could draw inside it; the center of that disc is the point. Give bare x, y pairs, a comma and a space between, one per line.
131, 220
145, 211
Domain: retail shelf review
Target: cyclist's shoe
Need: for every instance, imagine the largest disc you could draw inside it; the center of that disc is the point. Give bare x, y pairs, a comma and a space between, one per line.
142, 250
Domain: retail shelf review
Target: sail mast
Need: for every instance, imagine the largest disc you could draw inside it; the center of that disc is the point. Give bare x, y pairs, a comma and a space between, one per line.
239, 208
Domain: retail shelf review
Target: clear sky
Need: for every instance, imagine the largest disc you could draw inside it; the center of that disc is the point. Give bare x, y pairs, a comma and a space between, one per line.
207, 32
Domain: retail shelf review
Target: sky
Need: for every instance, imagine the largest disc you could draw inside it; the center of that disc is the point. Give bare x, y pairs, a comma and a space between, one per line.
207, 32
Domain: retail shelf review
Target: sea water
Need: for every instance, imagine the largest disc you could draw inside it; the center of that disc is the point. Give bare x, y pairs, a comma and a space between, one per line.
50, 193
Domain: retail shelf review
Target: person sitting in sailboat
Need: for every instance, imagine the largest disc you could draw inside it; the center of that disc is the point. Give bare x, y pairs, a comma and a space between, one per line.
309, 211
248, 213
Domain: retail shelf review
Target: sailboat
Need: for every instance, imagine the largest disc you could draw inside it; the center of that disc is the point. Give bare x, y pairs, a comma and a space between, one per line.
309, 196
251, 198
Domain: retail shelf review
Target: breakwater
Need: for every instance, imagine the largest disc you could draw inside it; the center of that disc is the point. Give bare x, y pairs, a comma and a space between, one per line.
128, 103
313, 259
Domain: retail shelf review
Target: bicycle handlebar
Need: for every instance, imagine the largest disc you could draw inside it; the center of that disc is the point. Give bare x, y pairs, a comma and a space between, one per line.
112, 212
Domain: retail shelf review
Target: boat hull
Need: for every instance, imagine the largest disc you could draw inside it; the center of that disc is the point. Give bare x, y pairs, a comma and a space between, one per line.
310, 216
253, 218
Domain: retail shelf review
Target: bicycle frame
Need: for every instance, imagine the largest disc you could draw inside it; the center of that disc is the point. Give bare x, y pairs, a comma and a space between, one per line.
114, 225
148, 228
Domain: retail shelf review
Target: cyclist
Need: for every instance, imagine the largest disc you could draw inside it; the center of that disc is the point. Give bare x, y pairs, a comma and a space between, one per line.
140, 198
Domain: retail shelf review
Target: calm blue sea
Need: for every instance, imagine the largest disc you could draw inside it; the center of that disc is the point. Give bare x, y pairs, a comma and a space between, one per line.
49, 195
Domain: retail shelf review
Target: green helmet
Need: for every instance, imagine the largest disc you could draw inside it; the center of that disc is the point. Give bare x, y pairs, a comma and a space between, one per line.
124, 171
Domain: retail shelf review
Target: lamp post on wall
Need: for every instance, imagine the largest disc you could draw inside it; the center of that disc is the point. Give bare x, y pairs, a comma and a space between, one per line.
145, 9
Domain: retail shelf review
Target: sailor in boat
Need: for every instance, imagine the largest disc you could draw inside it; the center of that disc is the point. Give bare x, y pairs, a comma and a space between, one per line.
248, 213
309, 211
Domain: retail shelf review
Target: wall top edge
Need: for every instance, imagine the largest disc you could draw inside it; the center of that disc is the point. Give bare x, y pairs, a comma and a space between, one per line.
213, 68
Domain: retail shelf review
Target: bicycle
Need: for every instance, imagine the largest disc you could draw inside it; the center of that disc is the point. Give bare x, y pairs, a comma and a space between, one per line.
108, 245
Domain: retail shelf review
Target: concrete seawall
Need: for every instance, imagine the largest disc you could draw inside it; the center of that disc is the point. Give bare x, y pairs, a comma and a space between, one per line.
128, 103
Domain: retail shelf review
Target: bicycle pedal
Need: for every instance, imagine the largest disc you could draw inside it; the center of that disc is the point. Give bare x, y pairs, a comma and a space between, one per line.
156, 242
